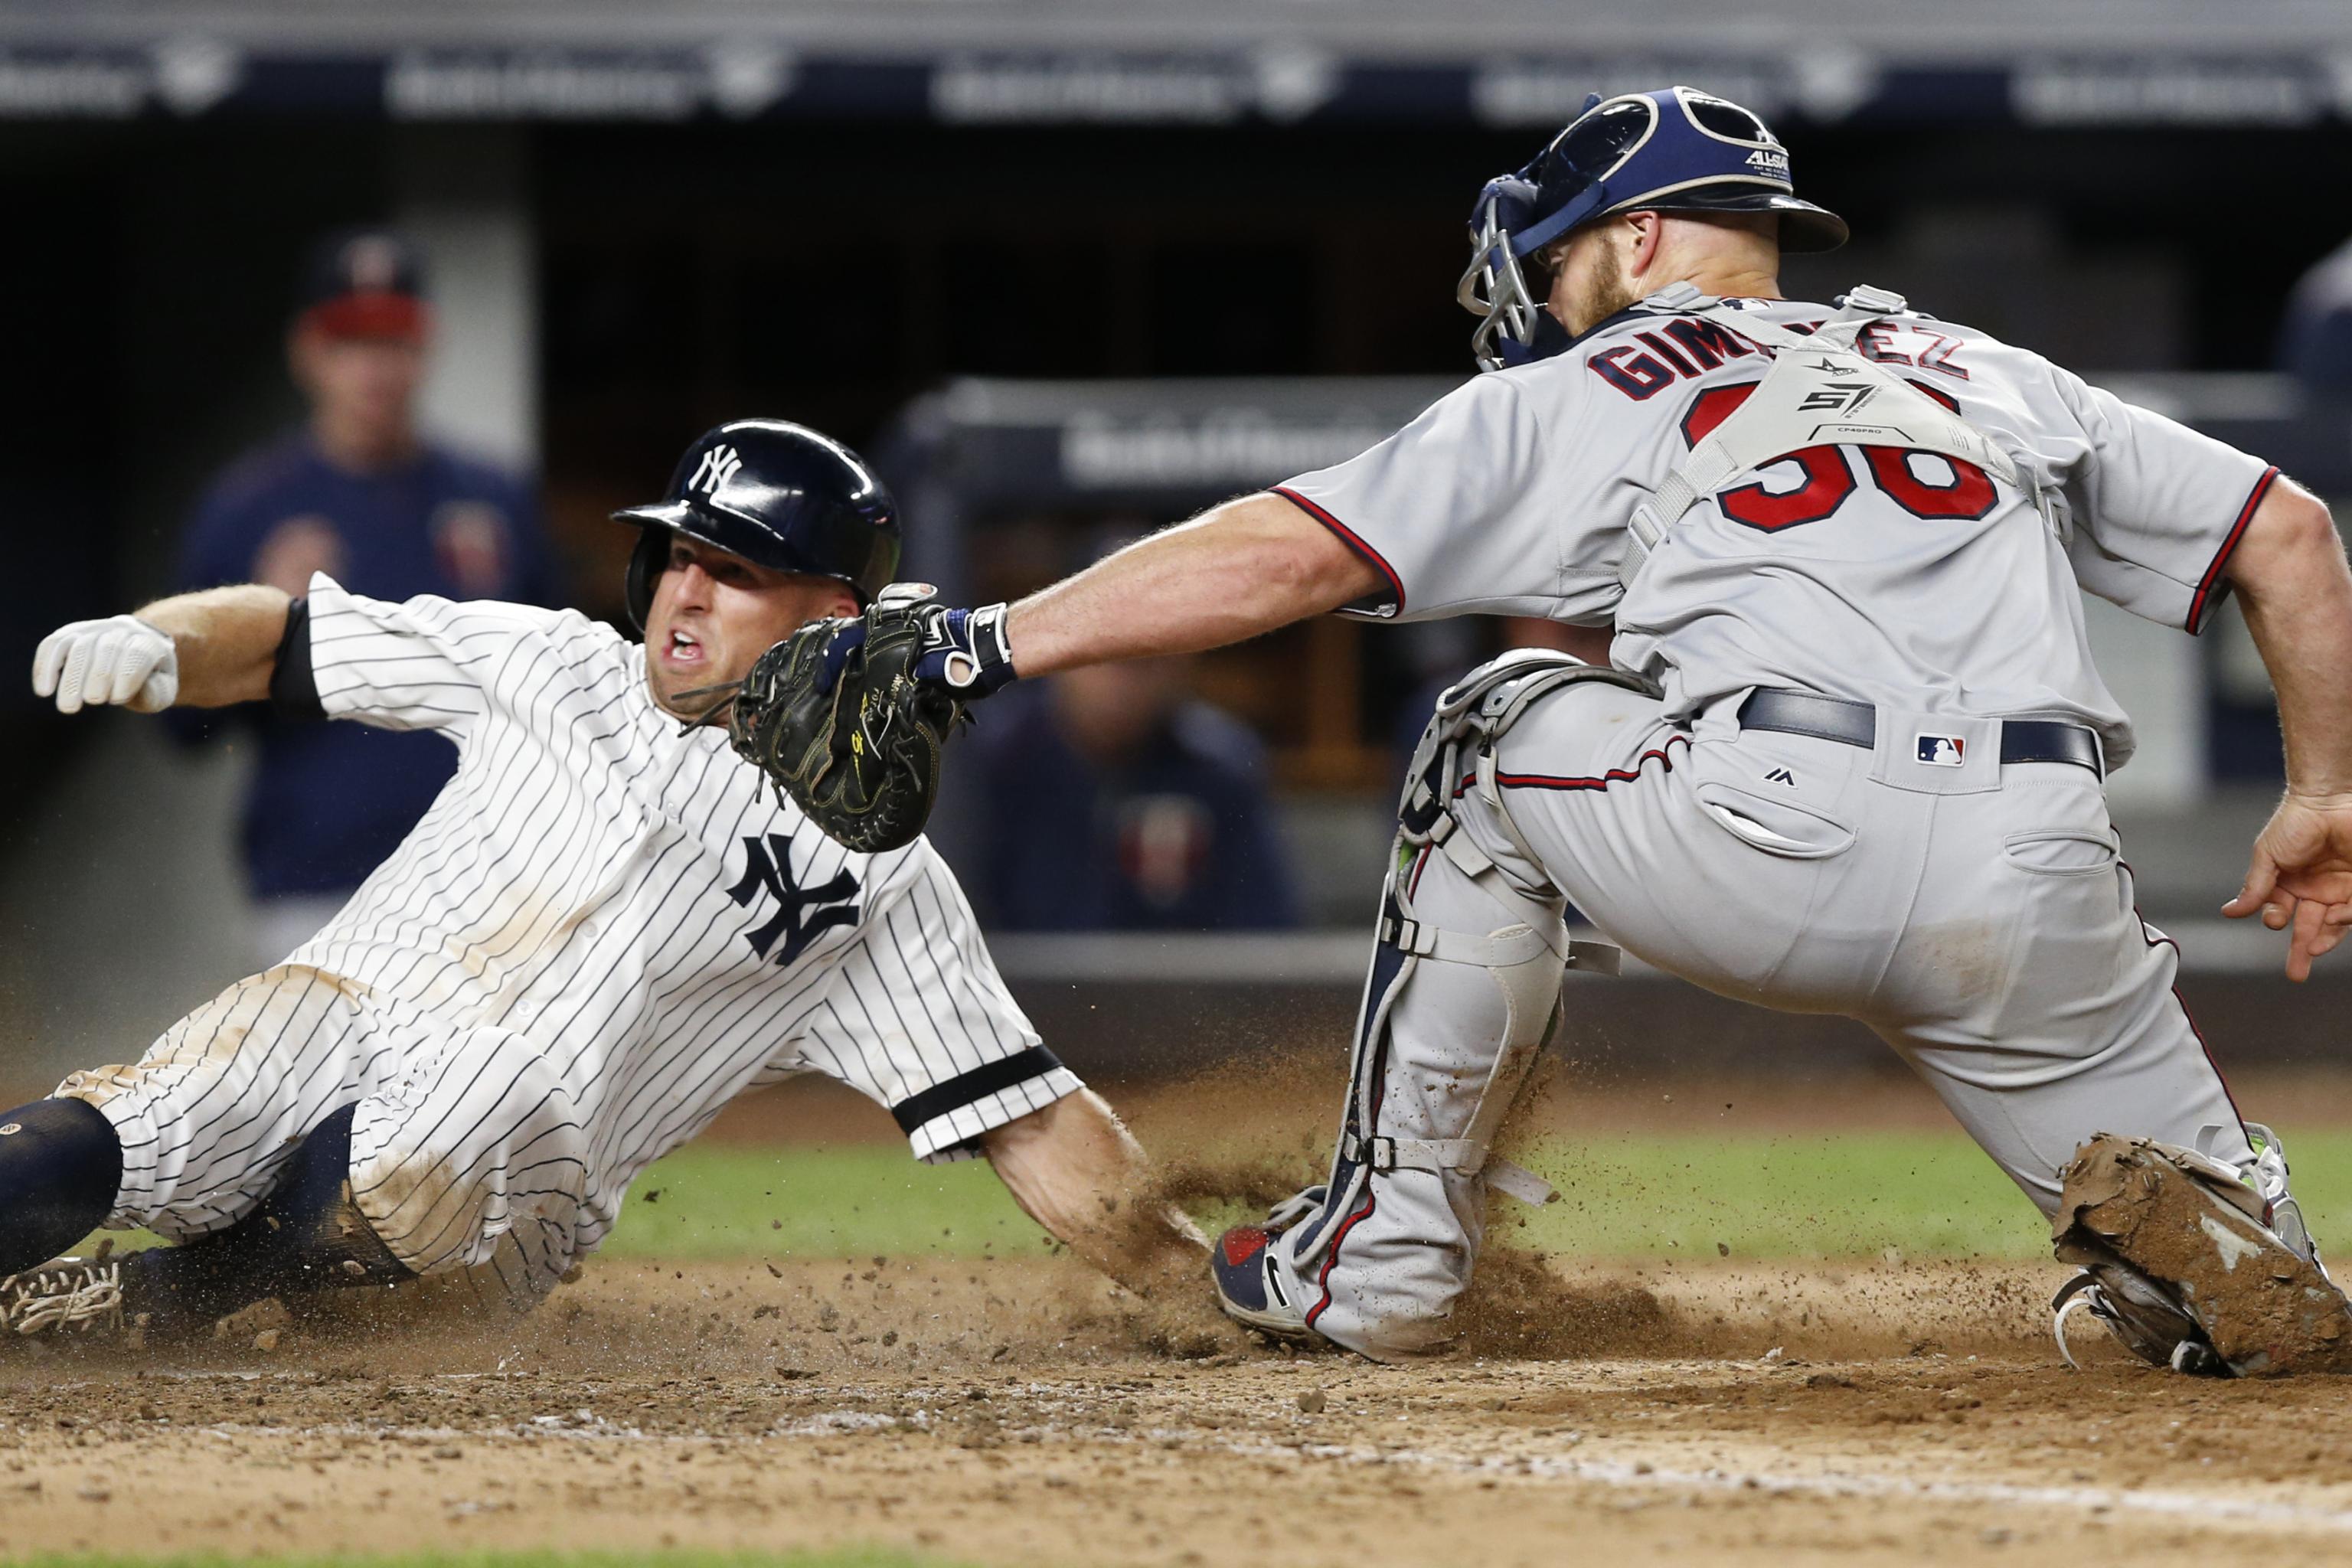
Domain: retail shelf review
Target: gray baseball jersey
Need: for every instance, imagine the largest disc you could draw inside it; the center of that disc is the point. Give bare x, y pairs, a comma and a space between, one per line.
1854, 572
602, 932
1975, 913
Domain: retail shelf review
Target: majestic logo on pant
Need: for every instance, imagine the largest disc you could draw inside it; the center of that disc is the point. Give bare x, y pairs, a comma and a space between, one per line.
1942, 750
805, 912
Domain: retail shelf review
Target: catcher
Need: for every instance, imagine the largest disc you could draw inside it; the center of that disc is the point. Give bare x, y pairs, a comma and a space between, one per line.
1845, 753
598, 936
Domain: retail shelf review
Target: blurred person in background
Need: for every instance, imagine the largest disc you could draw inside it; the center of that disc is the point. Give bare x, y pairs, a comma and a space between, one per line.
1118, 801
2315, 341
1590, 644
357, 492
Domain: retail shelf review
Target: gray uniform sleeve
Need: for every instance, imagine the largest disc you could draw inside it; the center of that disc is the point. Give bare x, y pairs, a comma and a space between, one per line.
2157, 506
1453, 512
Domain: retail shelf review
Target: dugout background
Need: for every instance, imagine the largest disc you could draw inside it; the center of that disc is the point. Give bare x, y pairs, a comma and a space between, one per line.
614, 283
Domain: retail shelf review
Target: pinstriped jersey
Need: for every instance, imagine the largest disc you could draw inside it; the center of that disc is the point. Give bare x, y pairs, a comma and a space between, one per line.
1869, 573
635, 902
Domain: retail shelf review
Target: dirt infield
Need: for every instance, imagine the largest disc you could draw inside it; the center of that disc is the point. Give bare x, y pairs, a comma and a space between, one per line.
1019, 1411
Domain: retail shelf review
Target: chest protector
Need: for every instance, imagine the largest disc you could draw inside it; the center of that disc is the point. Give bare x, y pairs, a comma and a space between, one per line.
1818, 393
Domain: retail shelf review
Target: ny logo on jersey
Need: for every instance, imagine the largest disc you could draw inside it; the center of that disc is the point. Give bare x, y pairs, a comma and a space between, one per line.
804, 913
718, 466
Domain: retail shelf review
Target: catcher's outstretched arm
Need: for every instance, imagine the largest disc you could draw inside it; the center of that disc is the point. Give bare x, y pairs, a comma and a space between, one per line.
1233, 572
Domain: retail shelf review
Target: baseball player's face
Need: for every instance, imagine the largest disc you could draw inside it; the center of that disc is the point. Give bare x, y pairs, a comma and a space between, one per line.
713, 614
366, 387
1607, 266
1591, 282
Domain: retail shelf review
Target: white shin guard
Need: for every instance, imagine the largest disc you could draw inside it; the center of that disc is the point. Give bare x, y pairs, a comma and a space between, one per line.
1464, 992
1457, 1007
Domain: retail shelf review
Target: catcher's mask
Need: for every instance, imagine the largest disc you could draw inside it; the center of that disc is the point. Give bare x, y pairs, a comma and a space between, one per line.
1673, 150
777, 494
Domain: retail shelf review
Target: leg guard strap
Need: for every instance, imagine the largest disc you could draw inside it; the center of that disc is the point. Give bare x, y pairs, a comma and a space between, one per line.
1500, 950
1461, 1156
1520, 944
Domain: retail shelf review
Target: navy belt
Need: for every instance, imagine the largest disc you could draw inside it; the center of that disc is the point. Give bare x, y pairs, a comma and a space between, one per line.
1856, 724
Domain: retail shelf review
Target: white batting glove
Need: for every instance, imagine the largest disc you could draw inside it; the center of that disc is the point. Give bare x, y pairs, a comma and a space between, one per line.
121, 659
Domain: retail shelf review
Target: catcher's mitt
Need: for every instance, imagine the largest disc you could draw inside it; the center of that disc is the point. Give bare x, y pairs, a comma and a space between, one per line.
837, 715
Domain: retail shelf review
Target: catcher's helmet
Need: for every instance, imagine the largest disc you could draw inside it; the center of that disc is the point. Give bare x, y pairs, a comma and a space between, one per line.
1673, 150
779, 495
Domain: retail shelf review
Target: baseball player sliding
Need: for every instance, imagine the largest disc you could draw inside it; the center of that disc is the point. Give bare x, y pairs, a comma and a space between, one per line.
598, 936
1843, 753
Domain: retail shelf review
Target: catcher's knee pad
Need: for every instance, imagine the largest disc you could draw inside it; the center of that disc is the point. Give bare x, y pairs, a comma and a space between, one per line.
2190, 1259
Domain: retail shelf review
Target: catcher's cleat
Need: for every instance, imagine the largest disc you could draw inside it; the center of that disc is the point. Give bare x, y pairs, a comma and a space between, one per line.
1250, 1288
2136, 1311
2194, 1264
69, 1295
2267, 1176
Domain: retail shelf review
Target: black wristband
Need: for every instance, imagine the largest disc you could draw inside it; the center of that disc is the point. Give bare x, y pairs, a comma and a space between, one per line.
293, 690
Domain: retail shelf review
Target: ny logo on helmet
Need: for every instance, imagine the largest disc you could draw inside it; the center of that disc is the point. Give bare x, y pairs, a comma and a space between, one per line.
718, 466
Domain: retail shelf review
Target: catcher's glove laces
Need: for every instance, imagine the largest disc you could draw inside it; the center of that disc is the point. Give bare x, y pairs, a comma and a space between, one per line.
848, 717
722, 696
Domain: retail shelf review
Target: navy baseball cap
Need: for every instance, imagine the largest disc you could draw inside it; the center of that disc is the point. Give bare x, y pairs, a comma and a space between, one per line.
364, 283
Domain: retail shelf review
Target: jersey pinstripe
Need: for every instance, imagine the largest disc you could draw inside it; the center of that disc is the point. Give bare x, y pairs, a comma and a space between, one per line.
602, 932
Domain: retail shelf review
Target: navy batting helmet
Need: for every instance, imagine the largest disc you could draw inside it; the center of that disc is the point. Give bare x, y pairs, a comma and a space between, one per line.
779, 495
1673, 150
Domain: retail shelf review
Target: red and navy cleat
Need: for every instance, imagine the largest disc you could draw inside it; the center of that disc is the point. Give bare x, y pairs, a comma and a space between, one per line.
1249, 1286
1249, 1282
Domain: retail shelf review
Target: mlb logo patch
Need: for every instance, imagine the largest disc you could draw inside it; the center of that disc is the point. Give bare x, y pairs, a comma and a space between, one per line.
1942, 750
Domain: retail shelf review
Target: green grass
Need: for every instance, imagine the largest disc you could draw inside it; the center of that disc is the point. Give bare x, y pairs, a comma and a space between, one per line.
721, 1201
1844, 1194
1850, 1194
1801, 1196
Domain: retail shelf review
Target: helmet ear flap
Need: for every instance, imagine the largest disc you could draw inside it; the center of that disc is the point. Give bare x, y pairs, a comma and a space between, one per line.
647, 562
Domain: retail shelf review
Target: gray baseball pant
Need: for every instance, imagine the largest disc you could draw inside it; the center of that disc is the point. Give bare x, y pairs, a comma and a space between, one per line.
1976, 916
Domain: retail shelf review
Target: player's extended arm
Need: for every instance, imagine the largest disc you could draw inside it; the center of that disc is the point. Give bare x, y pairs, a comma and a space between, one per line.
2292, 580
195, 650
1074, 1169
1233, 572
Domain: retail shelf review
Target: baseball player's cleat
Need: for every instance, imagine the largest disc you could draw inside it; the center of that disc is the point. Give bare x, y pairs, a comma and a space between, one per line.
1249, 1286
1248, 1289
2196, 1264
67, 1295
2137, 1312
2142, 1314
